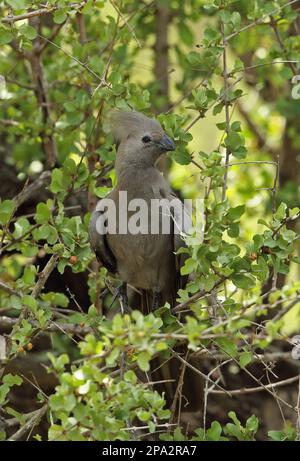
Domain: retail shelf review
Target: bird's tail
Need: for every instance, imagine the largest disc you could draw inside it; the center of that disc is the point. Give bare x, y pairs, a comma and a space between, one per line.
181, 385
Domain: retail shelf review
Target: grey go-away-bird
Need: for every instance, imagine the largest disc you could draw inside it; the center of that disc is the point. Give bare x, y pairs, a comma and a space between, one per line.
146, 261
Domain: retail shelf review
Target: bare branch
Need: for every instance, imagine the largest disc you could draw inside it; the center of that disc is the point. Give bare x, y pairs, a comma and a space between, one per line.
32, 189
8, 289
40, 12
281, 44
32, 422
198, 372
44, 275
261, 19
252, 390
126, 22
51, 327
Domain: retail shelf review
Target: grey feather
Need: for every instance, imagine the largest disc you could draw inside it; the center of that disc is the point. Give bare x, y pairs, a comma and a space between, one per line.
145, 261
100, 246
124, 124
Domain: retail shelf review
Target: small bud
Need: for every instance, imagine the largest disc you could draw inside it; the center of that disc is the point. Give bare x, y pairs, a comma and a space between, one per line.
266, 250
130, 351
73, 259
29, 346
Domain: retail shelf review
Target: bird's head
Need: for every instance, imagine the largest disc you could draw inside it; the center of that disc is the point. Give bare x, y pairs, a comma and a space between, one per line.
140, 139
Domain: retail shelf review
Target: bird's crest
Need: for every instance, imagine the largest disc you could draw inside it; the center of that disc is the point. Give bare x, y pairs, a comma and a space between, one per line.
124, 124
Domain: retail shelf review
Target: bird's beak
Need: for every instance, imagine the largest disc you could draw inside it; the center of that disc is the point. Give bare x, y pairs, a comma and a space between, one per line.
166, 144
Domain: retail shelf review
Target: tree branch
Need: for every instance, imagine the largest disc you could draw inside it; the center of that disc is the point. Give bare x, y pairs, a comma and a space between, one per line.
40, 12
30, 424
32, 189
252, 390
69, 328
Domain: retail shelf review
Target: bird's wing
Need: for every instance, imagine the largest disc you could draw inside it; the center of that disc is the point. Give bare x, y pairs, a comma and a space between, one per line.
182, 223
99, 243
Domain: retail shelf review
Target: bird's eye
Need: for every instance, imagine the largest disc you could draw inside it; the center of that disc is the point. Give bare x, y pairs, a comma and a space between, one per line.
146, 139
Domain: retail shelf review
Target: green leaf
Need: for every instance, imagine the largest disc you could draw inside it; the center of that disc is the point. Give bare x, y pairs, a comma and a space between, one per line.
59, 363
6, 35
56, 299
17, 4
234, 230
28, 31
252, 424
281, 212
234, 141
235, 213
236, 19
182, 156
4, 390
29, 275
244, 281
43, 213
112, 357
16, 302
143, 415
261, 269
59, 16
70, 166
143, 361
228, 346
215, 431
12, 380
194, 59
6, 211
236, 126
189, 266
186, 34
60, 181
277, 436
294, 212
30, 302
130, 376
245, 358
22, 226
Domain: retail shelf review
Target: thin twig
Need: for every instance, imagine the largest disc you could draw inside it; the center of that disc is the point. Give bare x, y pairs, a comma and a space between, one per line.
33, 421
198, 372
253, 390
261, 19
40, 12
8, 289
125, 22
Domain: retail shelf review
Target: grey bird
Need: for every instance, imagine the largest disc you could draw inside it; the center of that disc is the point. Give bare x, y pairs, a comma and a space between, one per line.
147, 262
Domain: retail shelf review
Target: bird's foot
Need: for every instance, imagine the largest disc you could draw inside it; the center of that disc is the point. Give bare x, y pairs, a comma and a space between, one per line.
123, 298
121, 294
155, 304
